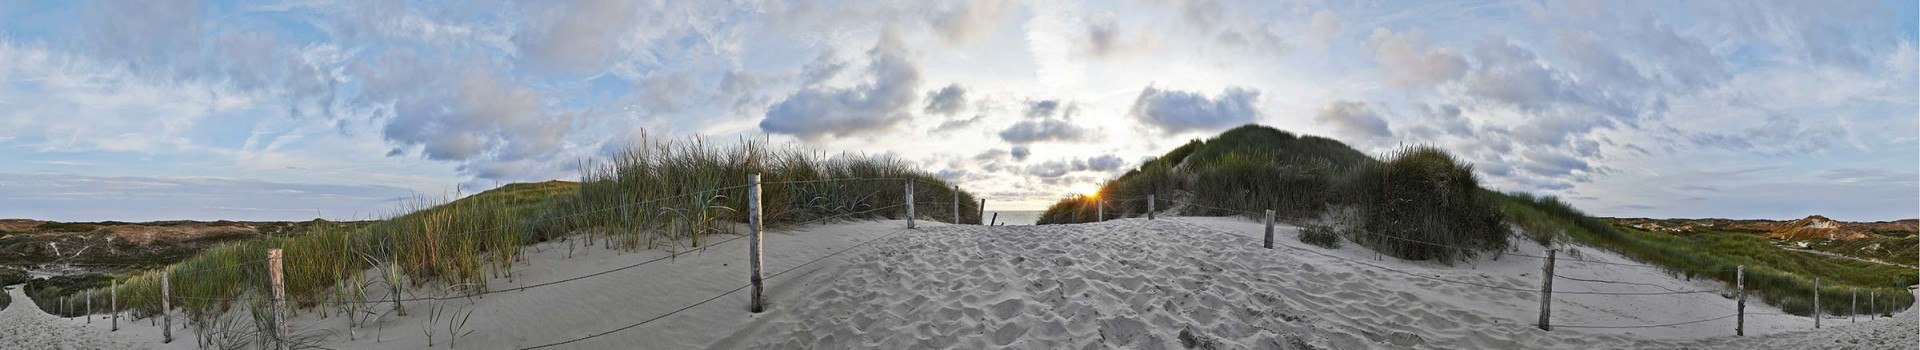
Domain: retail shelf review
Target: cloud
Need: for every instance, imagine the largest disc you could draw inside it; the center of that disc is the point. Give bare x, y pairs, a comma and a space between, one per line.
957, 123
456, 113
1105, 162
1045, 130
71, 197
1105, 38
1061, 167
1175, 111
1042, 108
1409, 64
1049, 169
1323, 28
1020, 153
816, 111
1511, 74
968, 21
947, 101
148, 35
575, 34
1353, 118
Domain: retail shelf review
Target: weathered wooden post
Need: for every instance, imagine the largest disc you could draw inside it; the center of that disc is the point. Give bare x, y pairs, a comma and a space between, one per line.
1269, 243
166, 307
1149, 207
1816, 303
1546, 291
1853, 316
1740, 303
90, 294
996, 219
113, 303
1876, 311
956, 204
276, 275
1100, 209
983, 208
754, 226
909, 204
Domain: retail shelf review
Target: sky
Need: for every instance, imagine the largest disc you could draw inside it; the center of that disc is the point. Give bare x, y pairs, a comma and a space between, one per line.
288, 110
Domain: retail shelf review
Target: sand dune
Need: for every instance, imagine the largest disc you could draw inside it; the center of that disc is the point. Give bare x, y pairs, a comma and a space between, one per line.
1147, 284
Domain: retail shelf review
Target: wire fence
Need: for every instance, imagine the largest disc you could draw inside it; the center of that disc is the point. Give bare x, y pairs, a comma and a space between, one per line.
956, 204
1488, 286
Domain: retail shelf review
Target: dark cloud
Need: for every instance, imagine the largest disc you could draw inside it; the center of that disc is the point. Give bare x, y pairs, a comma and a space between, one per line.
1176, 111
817, 112
1106, 162
1042, 108
1353, 118
1045, 130
1049, 169
1020, 153
1058, 169
947, 101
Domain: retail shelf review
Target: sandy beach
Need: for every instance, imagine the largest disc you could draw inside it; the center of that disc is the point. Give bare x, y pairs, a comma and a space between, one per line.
1186, 282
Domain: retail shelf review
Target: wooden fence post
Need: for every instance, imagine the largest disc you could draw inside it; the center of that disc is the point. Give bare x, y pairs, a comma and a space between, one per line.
1546, 291
1740, 303
166, 307
1269, 243
1149, 207
1816, 303
113, 303
1100, 209
276, 275
909, 204
983, 208
956, 204
1871, 295
996, 218
754, 225
1853, 316
90, 294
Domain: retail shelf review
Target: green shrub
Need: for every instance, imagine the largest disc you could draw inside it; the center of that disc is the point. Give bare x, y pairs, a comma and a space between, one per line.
11, 276
1422, 194
1320, 235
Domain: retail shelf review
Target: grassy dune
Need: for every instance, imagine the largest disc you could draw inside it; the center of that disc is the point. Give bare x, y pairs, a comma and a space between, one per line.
1426, 195
1780, 277
667, 194
1419, 193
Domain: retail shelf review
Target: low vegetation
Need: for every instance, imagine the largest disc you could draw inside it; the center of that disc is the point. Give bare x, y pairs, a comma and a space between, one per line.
671, 195
1418, 194
1779, 277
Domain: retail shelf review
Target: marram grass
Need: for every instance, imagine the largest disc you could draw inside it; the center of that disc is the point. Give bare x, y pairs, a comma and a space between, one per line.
657, 195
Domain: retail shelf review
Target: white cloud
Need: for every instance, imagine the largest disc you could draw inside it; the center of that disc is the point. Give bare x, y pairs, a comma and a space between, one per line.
816, 112
1354, 119
1408, 63
1175, 111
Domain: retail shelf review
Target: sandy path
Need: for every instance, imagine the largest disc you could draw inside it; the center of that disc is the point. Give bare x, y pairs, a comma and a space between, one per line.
1166, 284
24, 326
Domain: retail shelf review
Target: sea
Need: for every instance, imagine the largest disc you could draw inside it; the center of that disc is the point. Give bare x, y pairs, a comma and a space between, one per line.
1015, 217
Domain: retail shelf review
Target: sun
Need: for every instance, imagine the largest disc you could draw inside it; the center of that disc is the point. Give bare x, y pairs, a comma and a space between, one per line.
1089, 190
